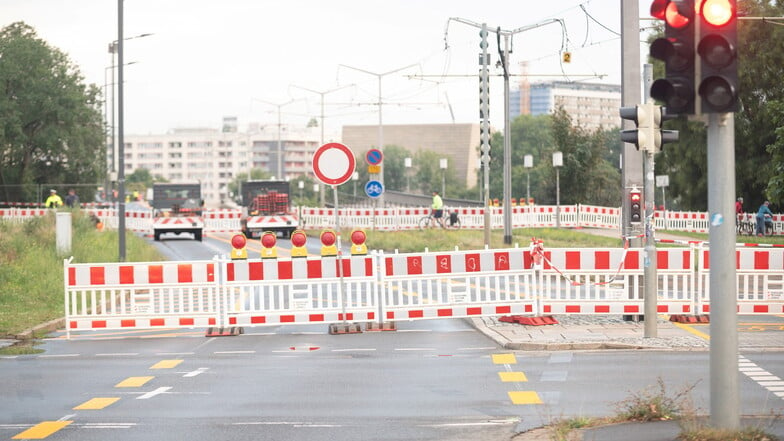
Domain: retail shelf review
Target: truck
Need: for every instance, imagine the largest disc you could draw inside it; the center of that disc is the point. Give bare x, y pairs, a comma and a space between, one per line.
177, 208
266, 207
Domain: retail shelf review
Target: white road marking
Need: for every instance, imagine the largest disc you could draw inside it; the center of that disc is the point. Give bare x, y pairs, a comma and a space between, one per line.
196, 372
148, 395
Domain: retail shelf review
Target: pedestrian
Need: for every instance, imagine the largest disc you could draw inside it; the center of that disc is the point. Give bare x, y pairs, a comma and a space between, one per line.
738, 211
438, 208
763, 214
72, 200
54, 200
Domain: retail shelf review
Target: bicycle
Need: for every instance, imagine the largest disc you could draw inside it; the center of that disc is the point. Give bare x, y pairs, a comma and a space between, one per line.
745, 225
449, 221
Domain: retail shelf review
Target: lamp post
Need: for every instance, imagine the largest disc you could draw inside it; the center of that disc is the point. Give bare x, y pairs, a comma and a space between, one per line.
557, 163
528, 162
380, 199
407, 163
442, 164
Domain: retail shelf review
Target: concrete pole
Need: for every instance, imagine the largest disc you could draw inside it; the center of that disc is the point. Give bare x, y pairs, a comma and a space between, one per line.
724, 392
507, 150
650, 275
120, 134
631, 160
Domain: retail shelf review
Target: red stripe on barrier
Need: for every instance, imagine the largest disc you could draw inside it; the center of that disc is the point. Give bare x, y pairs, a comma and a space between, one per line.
349, 316
662, 259
602, 260
346, 267
474, 311
443, 264
574, 309
761, 260
71, 276
501, 261
368, 267
601, 309
126, 275
210, 272
445, 312
287, 319
473, 263
184, 273
212, 321
98, 324
97, 276
414, 264
503, 309
316, 318
230, 272
632, 260
187, 322
389, 267
158, 322
130, 323
631, 309
572, 260
314, 269
285, 270
155, 273
762, 309
255, 271
416, 314
258, 319
73, 325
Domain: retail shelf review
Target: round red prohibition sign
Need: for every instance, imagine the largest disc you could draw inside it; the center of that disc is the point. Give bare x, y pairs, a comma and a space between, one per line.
333, 163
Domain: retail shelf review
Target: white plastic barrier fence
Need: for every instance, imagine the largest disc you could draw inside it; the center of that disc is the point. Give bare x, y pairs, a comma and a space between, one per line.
390, 287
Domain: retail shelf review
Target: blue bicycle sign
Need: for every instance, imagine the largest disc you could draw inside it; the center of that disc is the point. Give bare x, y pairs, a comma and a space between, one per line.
374, 189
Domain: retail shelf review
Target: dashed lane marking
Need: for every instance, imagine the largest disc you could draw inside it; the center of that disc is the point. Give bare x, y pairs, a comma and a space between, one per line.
134, 382
504, 359
513, 377
524, 397
166, 364
42, 430
97, 403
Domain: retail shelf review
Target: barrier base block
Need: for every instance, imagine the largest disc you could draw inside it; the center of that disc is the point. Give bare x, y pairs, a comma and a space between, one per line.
529, 321
224, 332
681, 318
383, 326
345, 328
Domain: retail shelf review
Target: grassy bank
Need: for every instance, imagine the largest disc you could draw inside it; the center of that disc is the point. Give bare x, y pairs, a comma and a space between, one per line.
31, 271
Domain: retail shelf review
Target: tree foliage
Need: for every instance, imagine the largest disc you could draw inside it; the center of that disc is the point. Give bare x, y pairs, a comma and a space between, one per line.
50, 122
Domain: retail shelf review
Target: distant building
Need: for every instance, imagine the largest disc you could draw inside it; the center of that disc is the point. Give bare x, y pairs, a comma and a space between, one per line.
457, 142
589, 105
214, 157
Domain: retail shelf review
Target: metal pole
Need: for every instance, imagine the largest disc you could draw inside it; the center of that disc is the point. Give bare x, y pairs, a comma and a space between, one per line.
280, 149
486, 163
557, 198
650, 275
120, 134
724, 393
507, 150
631, 159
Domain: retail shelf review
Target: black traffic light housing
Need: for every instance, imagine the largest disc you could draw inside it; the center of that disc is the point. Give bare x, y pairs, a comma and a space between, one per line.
635, 206
677, 90
718, 50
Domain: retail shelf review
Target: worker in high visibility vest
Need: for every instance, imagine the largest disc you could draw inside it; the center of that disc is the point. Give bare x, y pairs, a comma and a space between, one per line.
54, 200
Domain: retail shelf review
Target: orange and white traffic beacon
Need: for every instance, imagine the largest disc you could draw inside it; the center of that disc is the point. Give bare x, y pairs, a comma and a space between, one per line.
537, 253
268, 241
328, 243
238, 251
358, 246
298, 240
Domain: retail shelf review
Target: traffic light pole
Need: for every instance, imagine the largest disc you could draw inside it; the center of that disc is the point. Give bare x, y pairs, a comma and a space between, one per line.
724, 395
650, 262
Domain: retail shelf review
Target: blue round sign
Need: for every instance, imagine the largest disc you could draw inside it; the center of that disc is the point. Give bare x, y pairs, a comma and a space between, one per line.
374, 157
374, 189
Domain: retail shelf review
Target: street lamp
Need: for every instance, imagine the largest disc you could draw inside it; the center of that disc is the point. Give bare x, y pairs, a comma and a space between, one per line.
557, 163
528, 162
407, 163
443, 163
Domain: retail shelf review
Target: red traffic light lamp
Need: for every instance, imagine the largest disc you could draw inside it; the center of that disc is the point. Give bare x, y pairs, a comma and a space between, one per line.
717, 48
635, 206
676, 49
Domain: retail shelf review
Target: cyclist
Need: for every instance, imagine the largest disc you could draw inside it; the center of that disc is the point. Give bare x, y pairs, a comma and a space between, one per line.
438, 208
763, 214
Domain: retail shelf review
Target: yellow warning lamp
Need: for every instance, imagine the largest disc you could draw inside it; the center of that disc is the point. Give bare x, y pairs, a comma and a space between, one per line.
358, 247
268, 249
328, 240
238, 242
298, 240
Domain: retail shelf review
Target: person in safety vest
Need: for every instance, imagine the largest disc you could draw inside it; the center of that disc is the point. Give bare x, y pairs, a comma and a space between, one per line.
54, 200
438, 208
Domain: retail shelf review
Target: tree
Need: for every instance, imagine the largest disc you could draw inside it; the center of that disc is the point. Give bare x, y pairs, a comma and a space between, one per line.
50, 122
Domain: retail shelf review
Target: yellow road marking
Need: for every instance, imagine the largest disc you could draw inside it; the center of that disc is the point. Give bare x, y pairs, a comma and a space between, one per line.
689, 328
504, 359
134, 382
510, 377
42, 430
166, 364
524, 397
96, 403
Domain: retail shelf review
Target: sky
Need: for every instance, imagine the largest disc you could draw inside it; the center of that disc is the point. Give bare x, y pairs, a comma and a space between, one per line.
266, 61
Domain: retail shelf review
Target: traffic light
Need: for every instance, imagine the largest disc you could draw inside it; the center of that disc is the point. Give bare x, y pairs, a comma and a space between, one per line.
717, 47
660, 135
635, 206
676, 49
642, 136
